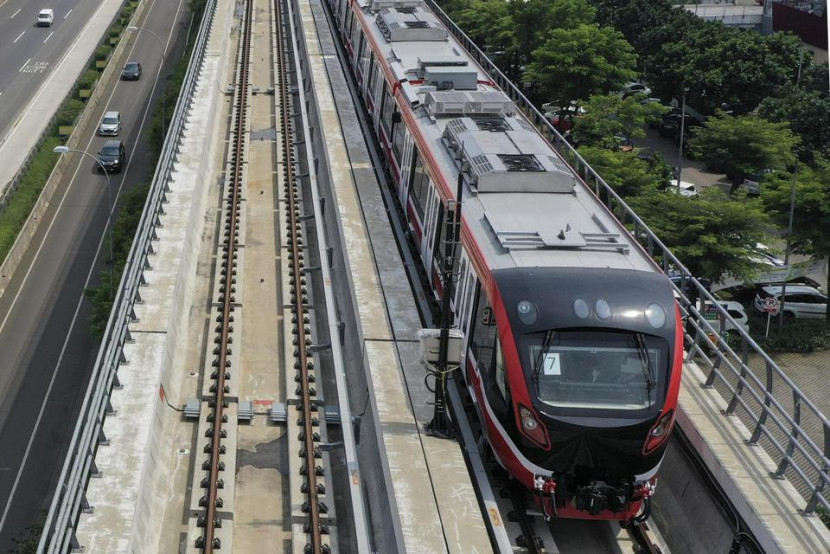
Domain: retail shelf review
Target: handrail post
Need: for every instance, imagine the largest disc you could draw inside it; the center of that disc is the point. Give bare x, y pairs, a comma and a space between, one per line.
785, 459
756, 434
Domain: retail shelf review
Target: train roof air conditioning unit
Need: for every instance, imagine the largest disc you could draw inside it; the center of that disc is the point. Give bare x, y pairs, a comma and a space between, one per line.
505, 156
460, 103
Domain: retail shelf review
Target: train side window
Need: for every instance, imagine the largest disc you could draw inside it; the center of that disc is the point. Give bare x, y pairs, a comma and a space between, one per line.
398, 137
419, 185
370, 82
440, 237
349, 23
499, 376
458, 301
388, 111
360, 68
483, 336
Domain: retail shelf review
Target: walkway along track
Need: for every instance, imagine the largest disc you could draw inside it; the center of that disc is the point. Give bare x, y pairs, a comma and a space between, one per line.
227, 290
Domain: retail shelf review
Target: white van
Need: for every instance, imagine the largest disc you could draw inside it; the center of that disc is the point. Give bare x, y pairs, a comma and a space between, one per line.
45, 17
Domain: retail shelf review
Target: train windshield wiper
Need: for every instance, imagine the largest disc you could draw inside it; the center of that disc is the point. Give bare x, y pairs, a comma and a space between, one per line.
537, 366
648, 370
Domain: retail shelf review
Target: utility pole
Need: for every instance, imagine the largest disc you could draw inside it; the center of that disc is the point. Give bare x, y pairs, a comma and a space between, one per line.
440, 424
682, 132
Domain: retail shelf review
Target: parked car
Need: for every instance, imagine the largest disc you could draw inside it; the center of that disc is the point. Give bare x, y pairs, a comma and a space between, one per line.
562, 120
110, 124
754, 182
800, 301
131, 71
685, 188
763, 254
735, 311
45, 17
111, 157
632, 88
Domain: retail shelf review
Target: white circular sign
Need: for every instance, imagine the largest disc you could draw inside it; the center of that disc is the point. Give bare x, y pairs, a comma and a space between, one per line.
771, 304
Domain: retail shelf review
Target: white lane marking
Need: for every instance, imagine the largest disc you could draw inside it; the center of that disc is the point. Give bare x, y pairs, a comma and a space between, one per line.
25, 64
47, 38
18, 37
67, 13
15, 13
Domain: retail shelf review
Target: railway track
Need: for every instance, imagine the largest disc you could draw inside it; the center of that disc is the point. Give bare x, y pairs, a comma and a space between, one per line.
308, 518
311, 431
221, 372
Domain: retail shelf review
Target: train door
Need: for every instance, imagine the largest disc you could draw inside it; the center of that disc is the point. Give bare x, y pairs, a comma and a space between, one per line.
435, 212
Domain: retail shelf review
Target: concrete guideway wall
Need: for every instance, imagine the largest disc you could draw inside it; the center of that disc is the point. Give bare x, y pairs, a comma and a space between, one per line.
768, 506
141, 449
27, 131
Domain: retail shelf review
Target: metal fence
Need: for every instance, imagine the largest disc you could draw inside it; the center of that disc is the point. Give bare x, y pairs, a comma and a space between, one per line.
69, 499
792, 430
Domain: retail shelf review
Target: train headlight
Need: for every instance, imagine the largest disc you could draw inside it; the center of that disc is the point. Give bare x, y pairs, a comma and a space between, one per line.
655, 315
602, 308
581, 308
659, 432
528, 312
528, 421
531, 428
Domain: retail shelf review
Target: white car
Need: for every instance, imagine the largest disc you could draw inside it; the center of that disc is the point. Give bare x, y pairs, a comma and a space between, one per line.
45, 17
800, 301
684, 189
763, 254
110, 124
735, 311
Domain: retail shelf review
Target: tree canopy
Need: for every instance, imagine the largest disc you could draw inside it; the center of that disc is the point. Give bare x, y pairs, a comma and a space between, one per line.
811, 221
711, 233
742, 145
626, 173
610, 115
577, 63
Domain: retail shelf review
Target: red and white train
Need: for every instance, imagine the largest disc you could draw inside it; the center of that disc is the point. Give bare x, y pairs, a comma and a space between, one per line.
573, 340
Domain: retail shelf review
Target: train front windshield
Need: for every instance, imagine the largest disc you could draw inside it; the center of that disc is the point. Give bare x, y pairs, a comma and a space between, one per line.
576, 370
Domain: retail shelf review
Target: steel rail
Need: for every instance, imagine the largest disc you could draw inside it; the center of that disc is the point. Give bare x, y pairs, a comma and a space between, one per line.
227, 289
298, 295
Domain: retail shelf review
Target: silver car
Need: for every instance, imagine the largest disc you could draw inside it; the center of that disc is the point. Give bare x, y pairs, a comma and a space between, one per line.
110, 124
800, 301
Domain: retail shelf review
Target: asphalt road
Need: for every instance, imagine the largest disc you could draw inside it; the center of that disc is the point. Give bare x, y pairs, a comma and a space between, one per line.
44, 336
29, 53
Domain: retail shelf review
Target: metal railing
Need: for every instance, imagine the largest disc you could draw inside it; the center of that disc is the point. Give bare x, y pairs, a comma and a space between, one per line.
792, 430
69, 499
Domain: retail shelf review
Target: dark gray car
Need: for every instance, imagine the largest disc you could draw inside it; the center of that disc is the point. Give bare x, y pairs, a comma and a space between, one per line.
111, 156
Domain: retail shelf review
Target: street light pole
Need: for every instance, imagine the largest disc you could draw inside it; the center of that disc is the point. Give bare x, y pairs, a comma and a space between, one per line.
163, 50
682, 132
64, 150
787, 249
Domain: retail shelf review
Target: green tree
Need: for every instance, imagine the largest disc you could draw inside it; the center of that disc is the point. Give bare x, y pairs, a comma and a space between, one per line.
489, 24
710, 233
577, 63
808, 114
811, 214
610, 115
742, 145
627, 174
